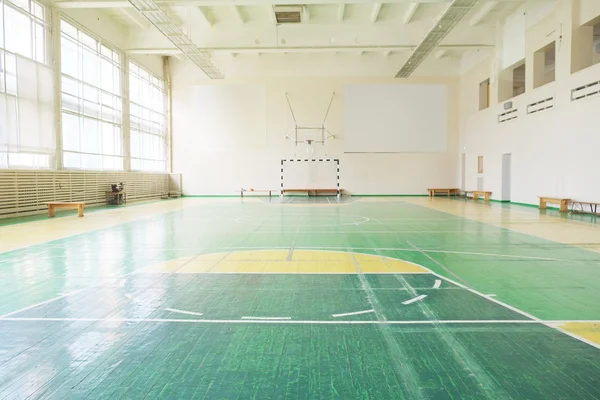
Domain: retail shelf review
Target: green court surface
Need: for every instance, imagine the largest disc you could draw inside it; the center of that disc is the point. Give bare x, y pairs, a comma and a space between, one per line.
231, 299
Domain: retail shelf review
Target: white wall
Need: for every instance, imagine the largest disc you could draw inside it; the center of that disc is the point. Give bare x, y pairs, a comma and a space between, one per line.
554, 153
208, 171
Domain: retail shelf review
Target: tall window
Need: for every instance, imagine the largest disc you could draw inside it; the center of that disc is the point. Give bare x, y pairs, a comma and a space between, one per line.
91, 102
27, 136
148, 120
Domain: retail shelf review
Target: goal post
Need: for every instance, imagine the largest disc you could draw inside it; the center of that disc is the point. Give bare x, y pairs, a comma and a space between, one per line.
311, 174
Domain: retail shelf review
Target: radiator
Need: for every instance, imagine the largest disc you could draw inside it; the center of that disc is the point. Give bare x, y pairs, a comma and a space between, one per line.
25, 192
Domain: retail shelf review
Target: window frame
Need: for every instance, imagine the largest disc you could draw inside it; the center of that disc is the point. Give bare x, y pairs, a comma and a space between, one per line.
39, 20
141, 126
91, 101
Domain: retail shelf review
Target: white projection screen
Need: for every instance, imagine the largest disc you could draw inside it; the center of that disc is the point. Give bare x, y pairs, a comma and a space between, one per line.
310, 174
395, 118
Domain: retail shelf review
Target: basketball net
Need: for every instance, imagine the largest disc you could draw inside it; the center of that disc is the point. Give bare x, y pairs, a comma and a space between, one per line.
309, 148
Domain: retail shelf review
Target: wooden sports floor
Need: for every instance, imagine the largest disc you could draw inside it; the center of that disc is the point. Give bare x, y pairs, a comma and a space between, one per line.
370, 298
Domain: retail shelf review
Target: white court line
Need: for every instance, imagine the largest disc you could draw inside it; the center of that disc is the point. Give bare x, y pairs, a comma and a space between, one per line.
491, 295
58, 298
286, 273
352, 313
421, 297
489, 298
437, 284
43, 302
284, 320
340, 248
174, 310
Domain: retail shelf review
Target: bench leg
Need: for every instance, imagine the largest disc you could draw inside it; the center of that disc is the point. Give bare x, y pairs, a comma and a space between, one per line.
80, 210
564, 206
487, 197
475, 196
542, 204
50, 211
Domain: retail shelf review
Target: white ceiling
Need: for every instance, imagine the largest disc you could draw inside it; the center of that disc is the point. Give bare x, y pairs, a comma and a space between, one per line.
356, 27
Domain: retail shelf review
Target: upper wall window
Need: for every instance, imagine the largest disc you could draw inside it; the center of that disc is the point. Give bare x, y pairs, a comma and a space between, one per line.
484, 94
511, 81
27, 134
23, 29
91, 102
544, 65
596, 44
148, 120
518, 82
585, 45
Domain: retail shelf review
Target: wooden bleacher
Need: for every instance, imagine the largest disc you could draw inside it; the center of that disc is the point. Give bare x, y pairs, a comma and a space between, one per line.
66, 204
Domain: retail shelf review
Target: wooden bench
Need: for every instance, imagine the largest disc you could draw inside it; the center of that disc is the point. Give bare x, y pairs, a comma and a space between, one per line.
315, 192
242, 191
449, 192
477, 193
579, 206
65, 204
564, 203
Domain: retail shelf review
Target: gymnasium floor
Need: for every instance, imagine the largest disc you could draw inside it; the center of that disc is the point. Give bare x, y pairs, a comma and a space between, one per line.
403, 298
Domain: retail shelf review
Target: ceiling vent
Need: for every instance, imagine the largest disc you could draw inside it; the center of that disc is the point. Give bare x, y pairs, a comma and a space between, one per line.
288, 14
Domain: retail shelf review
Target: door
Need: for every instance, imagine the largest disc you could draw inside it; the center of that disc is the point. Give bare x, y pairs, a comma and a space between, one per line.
506, 176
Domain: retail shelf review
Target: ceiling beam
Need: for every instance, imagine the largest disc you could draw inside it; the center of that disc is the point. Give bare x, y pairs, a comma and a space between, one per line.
440, 29
272, 15
227, 3
341, 12
375, 12
305, 14
93, 4
205, 16
133, 16
482, 13
410, 12
304, 49
240, 14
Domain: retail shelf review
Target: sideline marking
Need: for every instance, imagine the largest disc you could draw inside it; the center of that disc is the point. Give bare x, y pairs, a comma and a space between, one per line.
421, 297
352, 313
286, 320
174, 310
43, 302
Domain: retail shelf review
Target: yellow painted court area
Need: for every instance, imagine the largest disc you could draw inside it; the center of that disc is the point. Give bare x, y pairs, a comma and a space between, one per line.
587, 330
279, 261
